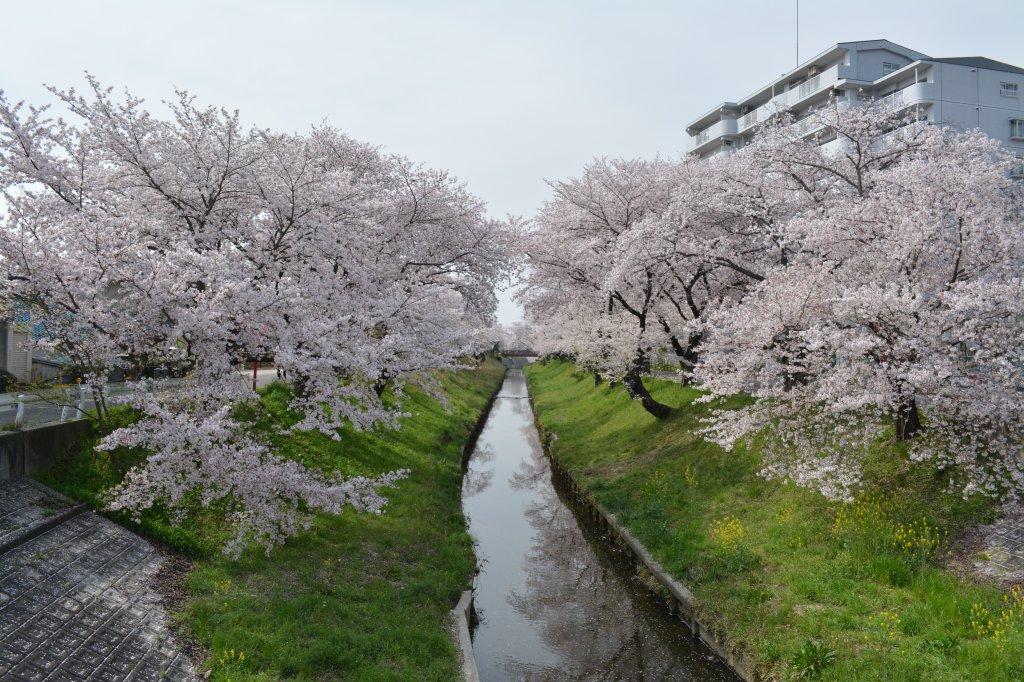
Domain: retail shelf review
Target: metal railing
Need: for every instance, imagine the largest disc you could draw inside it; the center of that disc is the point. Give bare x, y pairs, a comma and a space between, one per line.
809, 87
893, 100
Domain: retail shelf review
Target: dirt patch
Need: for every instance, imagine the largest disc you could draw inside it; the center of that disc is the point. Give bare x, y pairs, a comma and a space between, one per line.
169, 583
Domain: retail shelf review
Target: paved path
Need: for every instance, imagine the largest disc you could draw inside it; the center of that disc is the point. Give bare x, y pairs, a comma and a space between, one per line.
76, 601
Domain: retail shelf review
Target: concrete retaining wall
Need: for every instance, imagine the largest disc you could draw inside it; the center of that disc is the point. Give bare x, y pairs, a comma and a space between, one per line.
677, 597
478, 427
30, 450
462, 618
462, 614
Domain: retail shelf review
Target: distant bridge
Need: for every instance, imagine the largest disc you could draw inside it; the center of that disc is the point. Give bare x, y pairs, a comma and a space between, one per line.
517, 359
520, 353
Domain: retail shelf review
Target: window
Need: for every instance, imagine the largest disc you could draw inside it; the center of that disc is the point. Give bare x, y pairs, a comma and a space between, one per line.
889, 67
1017, 128
1009, 90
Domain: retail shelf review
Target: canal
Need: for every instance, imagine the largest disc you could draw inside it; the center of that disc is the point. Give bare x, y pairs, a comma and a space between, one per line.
554, 602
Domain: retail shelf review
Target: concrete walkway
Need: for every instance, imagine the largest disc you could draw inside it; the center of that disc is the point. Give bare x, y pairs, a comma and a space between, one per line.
76, 600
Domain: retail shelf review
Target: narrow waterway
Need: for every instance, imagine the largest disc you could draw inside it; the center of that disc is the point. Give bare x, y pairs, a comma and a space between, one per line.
554, 602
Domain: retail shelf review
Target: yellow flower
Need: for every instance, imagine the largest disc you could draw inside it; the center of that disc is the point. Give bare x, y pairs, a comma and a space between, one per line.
728, 531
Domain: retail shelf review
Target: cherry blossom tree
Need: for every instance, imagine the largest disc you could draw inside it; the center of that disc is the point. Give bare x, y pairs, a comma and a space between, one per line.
893, 298
861, 278
138, 240
517, 336
602, 308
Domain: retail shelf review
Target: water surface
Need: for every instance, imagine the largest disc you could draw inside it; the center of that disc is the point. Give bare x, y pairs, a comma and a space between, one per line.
554, 602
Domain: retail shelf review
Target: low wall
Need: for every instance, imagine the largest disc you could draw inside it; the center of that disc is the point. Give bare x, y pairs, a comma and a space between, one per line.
462, 613
27, 451
462, 618
678, 598
478, 427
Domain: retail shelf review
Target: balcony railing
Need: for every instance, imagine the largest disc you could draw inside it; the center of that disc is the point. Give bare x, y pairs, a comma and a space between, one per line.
915, 93
893, 100
784, 100
805, 125
727, 126
809, 87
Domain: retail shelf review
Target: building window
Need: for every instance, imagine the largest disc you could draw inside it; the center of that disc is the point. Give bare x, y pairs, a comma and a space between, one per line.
1017, 128
1009, 90
889, 67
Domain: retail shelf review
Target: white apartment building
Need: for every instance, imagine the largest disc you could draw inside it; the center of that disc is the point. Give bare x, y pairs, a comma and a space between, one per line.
962, 92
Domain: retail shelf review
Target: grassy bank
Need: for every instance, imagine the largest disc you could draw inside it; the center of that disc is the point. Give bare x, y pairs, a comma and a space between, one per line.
360, 596
808, 587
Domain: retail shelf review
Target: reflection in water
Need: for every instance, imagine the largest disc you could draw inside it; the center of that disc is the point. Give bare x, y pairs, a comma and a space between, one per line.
478, 478
554, 605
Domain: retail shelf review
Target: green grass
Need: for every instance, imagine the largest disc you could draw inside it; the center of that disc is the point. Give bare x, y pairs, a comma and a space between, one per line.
363, 597
805, 586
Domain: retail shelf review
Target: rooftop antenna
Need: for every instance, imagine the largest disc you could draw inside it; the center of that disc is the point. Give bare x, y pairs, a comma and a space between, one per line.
798, 32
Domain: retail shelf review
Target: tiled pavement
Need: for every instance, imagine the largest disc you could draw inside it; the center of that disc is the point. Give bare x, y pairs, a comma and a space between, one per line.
1001, 554
76, 601
24, 504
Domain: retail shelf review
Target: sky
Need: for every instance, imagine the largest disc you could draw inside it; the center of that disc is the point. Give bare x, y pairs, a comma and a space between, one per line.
503, 94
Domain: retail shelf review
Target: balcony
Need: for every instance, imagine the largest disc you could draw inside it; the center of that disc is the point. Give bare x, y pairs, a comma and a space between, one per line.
805, 126
809, 87
812, 86
825, 80
725, 127
917, 93
747, 120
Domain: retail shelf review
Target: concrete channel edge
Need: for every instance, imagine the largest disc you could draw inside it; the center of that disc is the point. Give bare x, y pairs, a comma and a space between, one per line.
680, 601
462, 614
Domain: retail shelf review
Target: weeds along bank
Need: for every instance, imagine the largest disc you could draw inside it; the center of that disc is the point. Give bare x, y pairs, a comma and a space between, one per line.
357, 597
809, 588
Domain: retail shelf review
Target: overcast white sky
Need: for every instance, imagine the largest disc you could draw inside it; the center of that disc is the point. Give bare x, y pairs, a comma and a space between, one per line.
505, 94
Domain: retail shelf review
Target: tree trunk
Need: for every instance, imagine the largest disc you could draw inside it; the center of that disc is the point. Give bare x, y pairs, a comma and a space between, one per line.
635, 387
597, 379
100, 405
686, 355
908, 419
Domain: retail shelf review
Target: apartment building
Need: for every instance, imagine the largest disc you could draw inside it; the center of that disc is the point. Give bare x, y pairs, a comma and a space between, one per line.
962, 92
